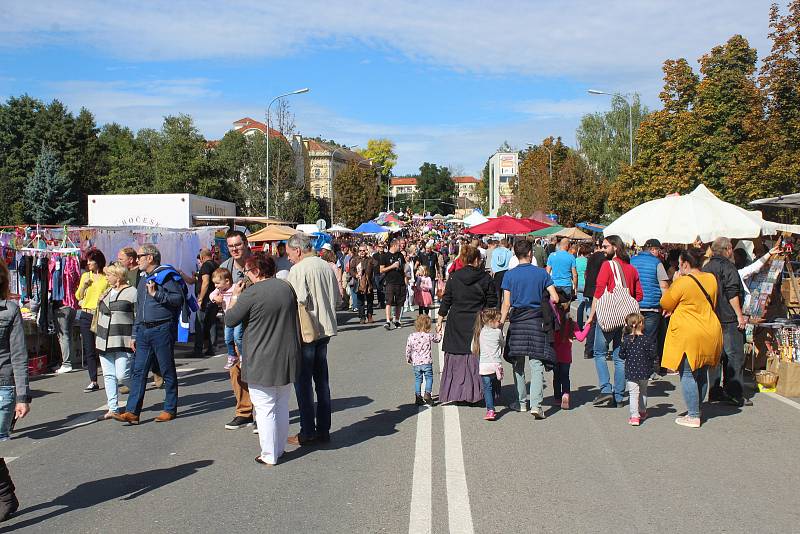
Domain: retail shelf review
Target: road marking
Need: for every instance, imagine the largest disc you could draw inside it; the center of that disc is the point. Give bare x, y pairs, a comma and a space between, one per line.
10, 459
784, 400
458, 511
185, 369
421, 486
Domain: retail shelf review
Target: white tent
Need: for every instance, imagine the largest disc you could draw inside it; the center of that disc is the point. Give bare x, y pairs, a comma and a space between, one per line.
337, 228
685, 218
474, 219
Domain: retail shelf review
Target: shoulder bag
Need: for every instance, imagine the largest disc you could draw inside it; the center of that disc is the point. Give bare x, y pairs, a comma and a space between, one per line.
309, 327
613, 306
708, 297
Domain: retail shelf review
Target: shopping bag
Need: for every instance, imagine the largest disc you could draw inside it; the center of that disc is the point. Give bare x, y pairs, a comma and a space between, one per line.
613, 306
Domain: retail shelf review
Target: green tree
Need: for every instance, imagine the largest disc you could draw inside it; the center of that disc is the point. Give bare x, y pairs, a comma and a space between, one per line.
382, 154
227, 160
355, 193
126, 164
180, 159
435, 189
49, 192
605, 139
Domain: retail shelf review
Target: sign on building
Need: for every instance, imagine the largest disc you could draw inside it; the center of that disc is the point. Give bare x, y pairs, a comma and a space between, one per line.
503, 167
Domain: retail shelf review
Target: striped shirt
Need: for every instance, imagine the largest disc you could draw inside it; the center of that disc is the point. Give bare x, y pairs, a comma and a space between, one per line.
115, 320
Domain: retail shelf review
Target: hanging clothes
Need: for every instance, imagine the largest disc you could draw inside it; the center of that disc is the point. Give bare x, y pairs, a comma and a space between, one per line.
43, 274
70, 276
56, 269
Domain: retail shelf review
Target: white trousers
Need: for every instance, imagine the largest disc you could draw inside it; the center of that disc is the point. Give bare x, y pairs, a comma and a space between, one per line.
271, 405
637, 397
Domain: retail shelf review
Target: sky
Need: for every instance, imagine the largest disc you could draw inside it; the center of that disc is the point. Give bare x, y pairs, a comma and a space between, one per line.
448, 81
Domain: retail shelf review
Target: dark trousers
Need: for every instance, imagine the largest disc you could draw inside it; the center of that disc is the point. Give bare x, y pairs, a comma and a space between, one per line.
365, 305
8, 499
155, 343
653, 324
561, 383
88, 342
732, 362
381, 294
205, 321
588, 347
498, 285
314, 367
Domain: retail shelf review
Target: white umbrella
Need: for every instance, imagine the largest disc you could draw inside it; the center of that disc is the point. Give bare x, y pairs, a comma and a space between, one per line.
474, 219
684, 218
337, 228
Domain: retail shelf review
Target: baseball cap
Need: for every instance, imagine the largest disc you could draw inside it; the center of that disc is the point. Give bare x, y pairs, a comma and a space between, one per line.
327, 246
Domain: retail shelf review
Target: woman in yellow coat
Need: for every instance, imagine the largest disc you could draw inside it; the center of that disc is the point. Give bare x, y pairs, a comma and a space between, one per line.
694, 338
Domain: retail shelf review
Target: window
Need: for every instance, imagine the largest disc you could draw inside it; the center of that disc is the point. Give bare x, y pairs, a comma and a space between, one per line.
317, 172
317, 190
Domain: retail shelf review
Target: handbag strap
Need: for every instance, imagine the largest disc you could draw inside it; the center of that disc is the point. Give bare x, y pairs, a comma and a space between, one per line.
708, 297
619, 278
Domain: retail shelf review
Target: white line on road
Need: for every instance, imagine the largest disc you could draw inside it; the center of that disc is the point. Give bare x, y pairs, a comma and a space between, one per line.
458, 511
784, 400
421, 486
10, 459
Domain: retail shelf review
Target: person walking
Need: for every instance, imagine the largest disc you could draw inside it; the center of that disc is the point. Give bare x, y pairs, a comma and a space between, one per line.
733, 321
114, 333
501, 258
268, 309
206, 318
638, 353
593, 264
419, 354
362, 270
92, 284
694, 338
615, 252
562, 269
15, 395
239, 250
468, 291
159, 301
654, 280
392, 267
318, 297
524, 290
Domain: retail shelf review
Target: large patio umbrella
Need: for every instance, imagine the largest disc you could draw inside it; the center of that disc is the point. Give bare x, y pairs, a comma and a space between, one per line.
506, 225
474, 219
370, 227
339, 229
550, 230
685, 218
572, 233
275, 232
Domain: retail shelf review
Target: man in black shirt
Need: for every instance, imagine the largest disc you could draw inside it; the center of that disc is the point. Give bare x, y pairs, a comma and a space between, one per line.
391, 267
207, 313
593, 265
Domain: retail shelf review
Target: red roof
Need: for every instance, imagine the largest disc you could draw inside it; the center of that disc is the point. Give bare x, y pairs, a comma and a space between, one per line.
404, 181
245, 124
465, 180
345, 153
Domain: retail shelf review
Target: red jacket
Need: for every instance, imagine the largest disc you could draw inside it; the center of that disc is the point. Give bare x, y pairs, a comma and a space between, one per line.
605, 279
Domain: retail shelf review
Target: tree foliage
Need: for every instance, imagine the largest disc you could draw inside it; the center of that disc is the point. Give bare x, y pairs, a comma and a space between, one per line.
355, 195
435, 190
49, 192
382, 154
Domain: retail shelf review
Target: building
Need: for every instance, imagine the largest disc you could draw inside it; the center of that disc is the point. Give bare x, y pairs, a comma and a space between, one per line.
466, 187
248, 126
503, 170
324, 162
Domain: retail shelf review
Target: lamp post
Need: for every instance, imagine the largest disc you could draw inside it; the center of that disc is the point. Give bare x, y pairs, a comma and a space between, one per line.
550, 155
630, 116
297, 92
330, 175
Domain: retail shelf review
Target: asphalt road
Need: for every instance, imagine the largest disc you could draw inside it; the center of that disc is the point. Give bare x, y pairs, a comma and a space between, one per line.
577, 471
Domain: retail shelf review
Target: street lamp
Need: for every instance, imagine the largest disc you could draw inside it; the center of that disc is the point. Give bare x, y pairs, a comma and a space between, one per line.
330, 175
299, 91
550, 155
630, 115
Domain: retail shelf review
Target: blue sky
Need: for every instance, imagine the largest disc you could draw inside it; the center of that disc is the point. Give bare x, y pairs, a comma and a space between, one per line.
448, 81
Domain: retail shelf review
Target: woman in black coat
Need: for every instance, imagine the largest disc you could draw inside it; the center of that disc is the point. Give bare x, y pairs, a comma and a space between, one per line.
468, 291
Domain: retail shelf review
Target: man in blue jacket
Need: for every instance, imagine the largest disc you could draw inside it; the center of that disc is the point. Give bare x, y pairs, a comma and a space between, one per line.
654, 281
160, 299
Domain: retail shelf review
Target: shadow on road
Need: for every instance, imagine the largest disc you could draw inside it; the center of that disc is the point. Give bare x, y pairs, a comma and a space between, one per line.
126, 487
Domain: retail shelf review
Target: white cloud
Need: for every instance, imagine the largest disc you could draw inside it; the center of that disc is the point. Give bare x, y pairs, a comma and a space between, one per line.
617, 41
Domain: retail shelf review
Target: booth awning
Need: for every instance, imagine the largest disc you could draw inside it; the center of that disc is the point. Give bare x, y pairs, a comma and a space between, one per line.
783, 201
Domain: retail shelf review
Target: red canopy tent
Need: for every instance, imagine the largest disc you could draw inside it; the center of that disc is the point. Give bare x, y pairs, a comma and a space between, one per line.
507, 225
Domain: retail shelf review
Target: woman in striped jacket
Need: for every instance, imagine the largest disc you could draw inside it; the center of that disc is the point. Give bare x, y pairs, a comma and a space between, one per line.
114, 331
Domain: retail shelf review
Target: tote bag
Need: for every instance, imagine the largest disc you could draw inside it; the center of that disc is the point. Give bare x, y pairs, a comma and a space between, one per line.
613, 306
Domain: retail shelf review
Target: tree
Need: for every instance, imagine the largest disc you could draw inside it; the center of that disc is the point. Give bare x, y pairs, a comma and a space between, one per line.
49, 192
435, 189
227, 161
126, 167
180, 159
605, 139
356, 194
381, 152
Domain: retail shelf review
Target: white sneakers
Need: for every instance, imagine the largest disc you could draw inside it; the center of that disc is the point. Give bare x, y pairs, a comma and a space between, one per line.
64, 369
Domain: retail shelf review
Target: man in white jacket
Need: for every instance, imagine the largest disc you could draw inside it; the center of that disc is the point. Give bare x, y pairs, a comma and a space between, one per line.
318, 292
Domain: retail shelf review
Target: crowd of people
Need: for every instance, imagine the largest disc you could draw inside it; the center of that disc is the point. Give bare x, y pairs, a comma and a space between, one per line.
659, 311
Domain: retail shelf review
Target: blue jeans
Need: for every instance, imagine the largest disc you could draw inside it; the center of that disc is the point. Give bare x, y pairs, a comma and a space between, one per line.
601, 342
694, 385
584, 303
652, 331
420, 371
566, 289
354, 298
116, 371
233, 338
491, 387
156, 343
314, 366
8, 403
537, 378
